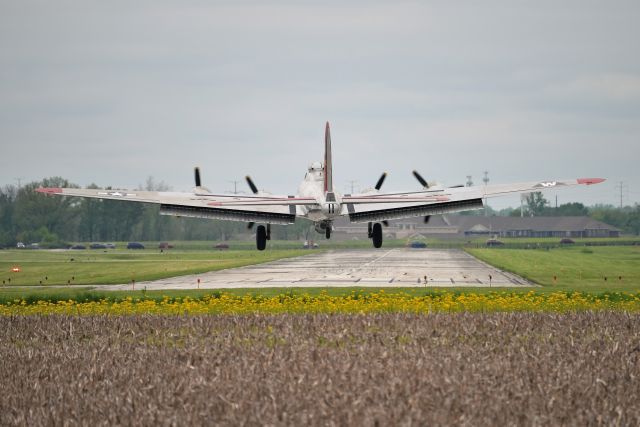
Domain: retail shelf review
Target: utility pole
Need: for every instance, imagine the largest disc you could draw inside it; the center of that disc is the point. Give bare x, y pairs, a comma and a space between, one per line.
620, 185
352, 183
522, 197
19, 179
235, 186
469, 181
486, 181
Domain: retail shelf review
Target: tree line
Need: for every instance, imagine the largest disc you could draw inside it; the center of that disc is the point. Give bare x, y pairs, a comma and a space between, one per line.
28, 216
626, 218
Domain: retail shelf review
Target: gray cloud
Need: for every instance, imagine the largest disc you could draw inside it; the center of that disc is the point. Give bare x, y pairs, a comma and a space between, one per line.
111, 92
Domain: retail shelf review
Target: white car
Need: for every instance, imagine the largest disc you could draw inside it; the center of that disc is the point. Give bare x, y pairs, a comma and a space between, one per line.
20, 245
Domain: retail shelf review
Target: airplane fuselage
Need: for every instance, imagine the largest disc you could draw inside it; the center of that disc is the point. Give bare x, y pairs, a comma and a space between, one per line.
328, 204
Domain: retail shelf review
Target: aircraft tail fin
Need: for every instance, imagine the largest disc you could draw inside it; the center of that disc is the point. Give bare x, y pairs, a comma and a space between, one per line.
328, 173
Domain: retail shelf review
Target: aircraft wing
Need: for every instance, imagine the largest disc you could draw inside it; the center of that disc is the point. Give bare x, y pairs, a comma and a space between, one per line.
373, 207
254, 208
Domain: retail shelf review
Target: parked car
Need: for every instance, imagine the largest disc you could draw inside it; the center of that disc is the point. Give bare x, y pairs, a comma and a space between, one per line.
20, 245
310, 245
417, 245
78, 247
494, 242
221, 246
34, 246
165, 245
566, 241
110, 245
135, 245
98, 246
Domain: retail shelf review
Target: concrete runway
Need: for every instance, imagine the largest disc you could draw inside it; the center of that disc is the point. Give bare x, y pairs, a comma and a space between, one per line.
341, 268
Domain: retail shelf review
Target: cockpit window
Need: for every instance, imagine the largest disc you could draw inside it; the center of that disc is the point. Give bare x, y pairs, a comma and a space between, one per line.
315, 166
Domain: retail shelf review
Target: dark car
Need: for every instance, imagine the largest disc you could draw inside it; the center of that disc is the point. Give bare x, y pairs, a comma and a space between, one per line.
78, 247
417, 245
98, 246
494, 242
566, 241
135, 245
221, 246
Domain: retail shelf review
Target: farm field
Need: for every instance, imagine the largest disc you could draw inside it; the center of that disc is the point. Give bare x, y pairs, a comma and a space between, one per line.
587, 269
318, 369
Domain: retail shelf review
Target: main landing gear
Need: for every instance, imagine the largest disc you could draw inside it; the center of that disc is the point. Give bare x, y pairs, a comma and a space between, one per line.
262, 235
324, 227
375, 233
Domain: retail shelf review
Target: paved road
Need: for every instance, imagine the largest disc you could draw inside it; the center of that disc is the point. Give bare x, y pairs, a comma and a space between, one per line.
392, 267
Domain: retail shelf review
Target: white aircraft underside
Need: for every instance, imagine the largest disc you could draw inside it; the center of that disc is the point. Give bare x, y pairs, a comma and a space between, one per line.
318, 201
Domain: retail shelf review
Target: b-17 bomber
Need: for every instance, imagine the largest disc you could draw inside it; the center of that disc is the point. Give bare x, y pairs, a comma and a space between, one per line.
318, 200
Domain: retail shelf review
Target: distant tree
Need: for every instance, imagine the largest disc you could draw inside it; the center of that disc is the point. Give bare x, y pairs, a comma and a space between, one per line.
570, 209
480, 212
633, 222
535, 203
508, 212
32, 210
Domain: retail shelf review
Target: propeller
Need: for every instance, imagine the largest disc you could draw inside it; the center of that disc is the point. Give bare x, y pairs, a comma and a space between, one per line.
425, 185
381, 180
385, 223
420, 179
250, 225
253, 187
196, 171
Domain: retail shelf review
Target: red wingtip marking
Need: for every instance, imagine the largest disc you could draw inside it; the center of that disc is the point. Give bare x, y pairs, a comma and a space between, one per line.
215, 203
54, 190
590, 181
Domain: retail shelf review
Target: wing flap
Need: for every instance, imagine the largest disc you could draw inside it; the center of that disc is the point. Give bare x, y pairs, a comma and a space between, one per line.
275, 210
380, 212
245, 215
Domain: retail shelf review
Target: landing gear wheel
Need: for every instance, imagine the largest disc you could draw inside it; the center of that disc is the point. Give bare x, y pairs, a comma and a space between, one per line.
327, 232
261, 238
376, 235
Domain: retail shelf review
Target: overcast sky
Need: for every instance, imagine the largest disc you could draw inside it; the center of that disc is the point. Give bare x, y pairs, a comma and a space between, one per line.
111, 92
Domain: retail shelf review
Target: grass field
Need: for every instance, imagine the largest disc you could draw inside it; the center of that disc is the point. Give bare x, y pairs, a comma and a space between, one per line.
587, 269
374, 369
86, 267
576, 268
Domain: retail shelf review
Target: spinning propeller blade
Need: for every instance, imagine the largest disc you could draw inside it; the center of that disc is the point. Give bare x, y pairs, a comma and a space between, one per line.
381, 180
197, 176
253, 187
420, 179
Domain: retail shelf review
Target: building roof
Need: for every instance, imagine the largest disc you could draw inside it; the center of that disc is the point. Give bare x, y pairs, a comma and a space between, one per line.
537, 223
497, 223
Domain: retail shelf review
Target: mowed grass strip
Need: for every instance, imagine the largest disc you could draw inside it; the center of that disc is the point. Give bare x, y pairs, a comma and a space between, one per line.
587, 269
375, 369
41, 267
